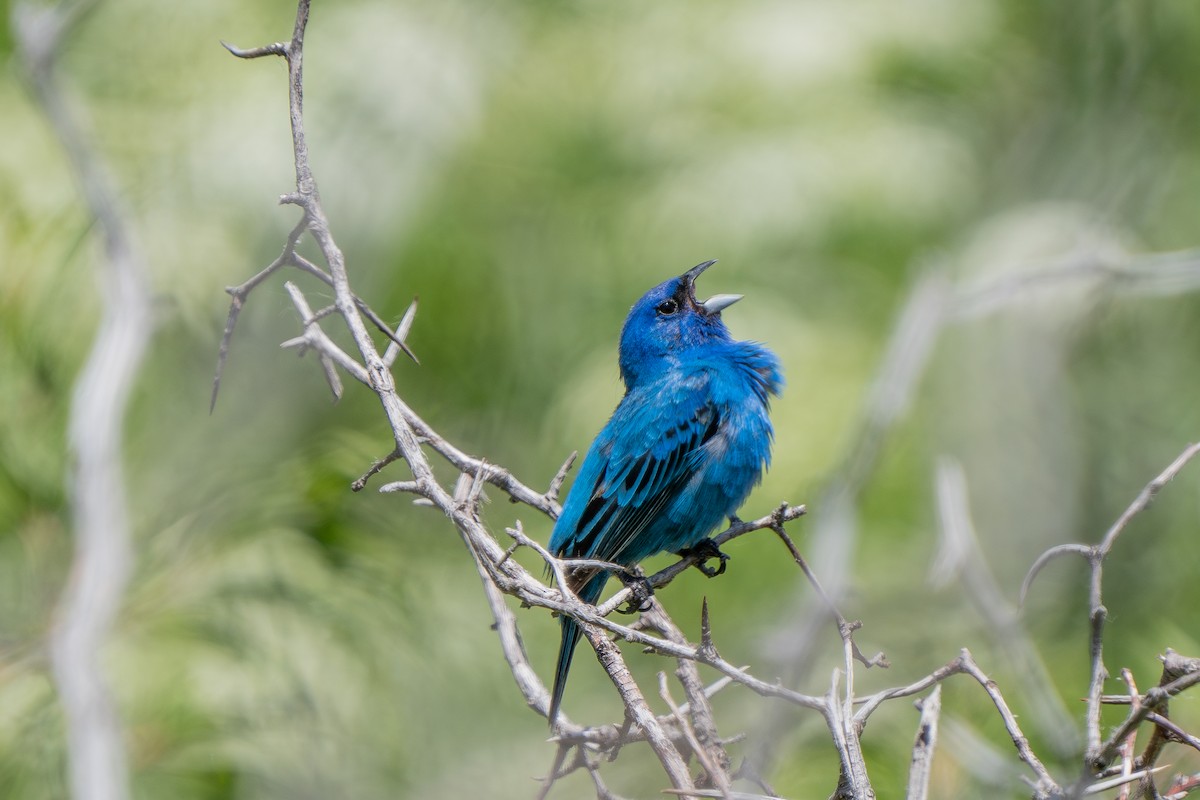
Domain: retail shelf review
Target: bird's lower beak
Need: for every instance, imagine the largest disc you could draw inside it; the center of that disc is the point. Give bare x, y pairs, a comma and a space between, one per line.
716, 303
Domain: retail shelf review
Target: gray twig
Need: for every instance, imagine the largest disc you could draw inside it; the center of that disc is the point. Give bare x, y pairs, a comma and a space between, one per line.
924, 746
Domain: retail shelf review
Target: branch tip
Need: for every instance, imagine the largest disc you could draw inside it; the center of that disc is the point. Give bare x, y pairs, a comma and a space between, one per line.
1089, 553
273, 49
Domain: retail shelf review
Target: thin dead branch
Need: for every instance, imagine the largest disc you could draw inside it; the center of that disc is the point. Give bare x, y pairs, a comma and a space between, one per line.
1099, 755
103, 558
921, 766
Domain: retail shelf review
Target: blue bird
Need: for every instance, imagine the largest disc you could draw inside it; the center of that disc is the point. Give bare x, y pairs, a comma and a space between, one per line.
682, 451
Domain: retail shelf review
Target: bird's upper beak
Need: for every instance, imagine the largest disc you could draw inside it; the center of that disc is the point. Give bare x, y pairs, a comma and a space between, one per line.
714, 304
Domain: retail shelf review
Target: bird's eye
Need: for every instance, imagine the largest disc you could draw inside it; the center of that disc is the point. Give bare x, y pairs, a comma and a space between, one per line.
667, 307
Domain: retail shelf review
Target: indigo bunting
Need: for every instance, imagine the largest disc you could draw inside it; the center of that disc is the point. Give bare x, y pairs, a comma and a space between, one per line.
683, 449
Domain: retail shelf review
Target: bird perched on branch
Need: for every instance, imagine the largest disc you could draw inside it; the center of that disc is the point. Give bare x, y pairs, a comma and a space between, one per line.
683, 449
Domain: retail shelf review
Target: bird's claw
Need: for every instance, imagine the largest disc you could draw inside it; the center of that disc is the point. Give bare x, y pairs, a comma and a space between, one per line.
641, 593
704, 551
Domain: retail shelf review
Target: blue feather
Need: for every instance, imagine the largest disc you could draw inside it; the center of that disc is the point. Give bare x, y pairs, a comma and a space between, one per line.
687, 443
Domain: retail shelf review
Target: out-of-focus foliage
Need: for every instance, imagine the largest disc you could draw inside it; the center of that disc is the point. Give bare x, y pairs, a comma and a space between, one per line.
529, 169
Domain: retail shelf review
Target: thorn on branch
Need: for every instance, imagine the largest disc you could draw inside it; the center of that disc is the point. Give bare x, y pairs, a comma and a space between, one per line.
395, 347
395, 339
238, 295
559, 477
1112, 783
413, 487
273, 49
378, 466
512, 548
331, 376
707, 651
235, 308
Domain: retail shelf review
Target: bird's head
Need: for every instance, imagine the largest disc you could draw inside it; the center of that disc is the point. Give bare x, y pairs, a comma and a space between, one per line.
669, 320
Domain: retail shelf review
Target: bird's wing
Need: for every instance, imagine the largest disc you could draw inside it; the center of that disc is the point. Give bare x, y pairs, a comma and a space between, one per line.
646, 461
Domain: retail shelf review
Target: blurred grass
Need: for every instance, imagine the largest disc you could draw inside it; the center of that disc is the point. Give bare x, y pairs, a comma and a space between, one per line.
528, 169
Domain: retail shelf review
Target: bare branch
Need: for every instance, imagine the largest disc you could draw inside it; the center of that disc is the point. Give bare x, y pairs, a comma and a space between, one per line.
503, 575
702, 730
845, 629
965, 664
1152, 701
1146, 497
1176, 733
638, 711
378, 466
1098, 754
921, 766
1045, 558
315, 338
869, 704
664, 691
1182, 786
853, 782
104, 556
559, 477
1045, 784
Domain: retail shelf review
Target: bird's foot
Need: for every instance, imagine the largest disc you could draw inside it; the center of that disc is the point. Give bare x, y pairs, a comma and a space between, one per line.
704, 551
641, 592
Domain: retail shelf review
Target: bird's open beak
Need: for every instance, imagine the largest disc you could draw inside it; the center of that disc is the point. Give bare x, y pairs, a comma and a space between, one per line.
713, 305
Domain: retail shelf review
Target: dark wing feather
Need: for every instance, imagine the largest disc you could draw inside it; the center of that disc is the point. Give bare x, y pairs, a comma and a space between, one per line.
631, 491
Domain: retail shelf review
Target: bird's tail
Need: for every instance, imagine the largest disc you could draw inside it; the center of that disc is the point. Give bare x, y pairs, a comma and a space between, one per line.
590, 593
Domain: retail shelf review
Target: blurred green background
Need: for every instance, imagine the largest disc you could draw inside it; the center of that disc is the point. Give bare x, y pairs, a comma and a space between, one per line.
529, 169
